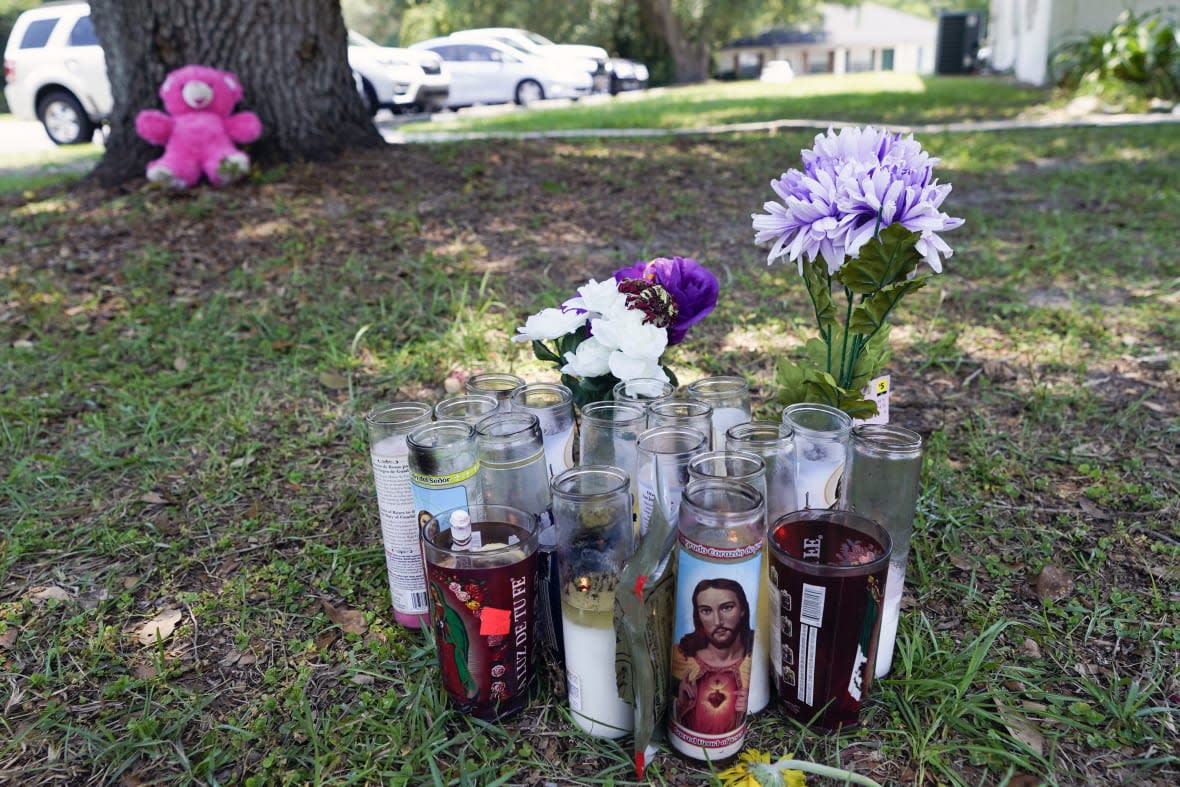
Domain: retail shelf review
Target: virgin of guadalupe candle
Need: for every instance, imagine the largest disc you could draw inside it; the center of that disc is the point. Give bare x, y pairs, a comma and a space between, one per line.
481, 573
388, 426
718, 576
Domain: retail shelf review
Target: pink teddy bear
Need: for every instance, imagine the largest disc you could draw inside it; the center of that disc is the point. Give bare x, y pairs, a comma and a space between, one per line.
198, 132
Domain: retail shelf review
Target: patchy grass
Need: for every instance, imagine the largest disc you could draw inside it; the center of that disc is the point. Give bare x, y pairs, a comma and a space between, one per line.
183, 380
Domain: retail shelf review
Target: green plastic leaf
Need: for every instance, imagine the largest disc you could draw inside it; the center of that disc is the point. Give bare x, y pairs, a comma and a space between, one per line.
819, 287
889, 257
543, 353
872, 313
871, 361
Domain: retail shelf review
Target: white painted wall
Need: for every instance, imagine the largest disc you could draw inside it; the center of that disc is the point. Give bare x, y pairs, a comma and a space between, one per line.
1023, 33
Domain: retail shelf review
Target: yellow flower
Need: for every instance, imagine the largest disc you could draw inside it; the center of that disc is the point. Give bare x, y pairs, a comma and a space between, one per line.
754, 769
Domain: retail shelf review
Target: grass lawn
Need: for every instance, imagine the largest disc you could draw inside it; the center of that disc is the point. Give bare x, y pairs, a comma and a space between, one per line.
183, 380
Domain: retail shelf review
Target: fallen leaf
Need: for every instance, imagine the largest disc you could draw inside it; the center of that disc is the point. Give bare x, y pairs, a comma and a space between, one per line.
144, 671
325, 640
1021, 728
158, 628
1053, 583
241, 461
153, 498
129, 582
1030, 648
1091, 510
46, 593
130, 780
8, 638
962, 561
333, 380
452, 385
362, 679
246, 659
180, 364
1168, 574
351, 621
1024, 780
230, 659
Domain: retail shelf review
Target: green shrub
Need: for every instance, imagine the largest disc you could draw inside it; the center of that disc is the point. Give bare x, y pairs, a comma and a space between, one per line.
1139, 57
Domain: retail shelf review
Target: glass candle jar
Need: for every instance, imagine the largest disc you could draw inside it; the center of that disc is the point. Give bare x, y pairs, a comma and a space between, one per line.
884, 468
719, 547
497, 384
553, 404
687, 413
730, 399
389, 424
471, 408
595, 538
821, 436
775, 443
642, 390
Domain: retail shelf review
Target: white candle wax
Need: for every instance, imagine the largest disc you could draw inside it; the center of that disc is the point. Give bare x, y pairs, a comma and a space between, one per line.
890, 613
590, 668
816, 483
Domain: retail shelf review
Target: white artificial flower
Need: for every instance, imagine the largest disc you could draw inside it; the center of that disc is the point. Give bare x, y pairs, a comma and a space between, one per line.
549, 324
626, 367
588, 360
601, 297
636, 338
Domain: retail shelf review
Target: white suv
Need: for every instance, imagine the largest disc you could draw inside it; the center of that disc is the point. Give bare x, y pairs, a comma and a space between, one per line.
56, 73
398, 79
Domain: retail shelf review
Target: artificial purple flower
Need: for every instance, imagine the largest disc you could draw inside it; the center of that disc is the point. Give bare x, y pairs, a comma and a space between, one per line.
853, 185
692, 286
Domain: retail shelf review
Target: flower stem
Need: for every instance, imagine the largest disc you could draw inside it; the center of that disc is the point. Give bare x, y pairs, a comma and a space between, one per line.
827, 771
845, 376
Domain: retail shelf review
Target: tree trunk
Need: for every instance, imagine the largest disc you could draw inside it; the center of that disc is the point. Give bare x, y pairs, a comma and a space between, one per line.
291, 58
691, 57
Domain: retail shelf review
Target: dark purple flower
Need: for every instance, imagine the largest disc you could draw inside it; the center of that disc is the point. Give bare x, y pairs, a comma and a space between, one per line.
691, 285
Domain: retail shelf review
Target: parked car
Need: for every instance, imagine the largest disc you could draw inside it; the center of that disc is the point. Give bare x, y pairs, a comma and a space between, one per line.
593, 59
626, 75
55, 72
491, 72
398, 79
777, 71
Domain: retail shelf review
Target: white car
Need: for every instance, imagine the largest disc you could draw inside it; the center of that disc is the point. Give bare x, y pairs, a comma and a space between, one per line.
491, 72
398, 79
56, 73
594, 59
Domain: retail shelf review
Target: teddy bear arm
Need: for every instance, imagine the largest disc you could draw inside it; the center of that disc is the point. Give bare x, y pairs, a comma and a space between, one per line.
154, 126
243, 127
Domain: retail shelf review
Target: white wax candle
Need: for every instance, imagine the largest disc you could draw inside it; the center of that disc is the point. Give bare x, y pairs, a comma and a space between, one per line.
399, 529
590, 668
559, 451
890, 612
816, 483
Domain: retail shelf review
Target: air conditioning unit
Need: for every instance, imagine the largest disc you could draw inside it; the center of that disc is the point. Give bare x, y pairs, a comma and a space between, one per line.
959, 33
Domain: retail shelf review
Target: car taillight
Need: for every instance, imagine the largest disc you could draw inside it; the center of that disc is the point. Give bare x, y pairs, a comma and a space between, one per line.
9, 71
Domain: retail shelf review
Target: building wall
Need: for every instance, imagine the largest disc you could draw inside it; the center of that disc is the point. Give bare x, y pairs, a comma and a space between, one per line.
1024, 33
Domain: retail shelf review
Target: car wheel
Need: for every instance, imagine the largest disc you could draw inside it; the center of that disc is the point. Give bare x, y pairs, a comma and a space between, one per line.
65, 121
370, 98
529, 91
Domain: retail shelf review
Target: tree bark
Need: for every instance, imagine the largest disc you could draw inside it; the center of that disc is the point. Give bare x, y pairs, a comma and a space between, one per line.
690, 56
291, 58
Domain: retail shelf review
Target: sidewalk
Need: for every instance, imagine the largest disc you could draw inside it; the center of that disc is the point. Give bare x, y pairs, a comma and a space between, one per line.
395, 137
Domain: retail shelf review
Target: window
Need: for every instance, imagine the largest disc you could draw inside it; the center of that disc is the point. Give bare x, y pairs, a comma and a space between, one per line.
83, 33
886, 59
37, 33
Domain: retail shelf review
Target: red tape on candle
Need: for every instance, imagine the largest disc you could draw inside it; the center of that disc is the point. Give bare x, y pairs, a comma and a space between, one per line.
494, 622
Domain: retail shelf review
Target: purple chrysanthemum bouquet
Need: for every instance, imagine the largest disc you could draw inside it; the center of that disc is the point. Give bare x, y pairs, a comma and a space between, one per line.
861, 217
618, 329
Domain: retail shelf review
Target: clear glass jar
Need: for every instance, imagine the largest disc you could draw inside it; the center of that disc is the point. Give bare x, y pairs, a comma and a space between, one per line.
609, 433
730, 399
497, 384
775, 443
444, 468
388, 425
719, 548
553, 404
882, 484
471, 408
642, 390
662, 470
821, 435
687, 413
